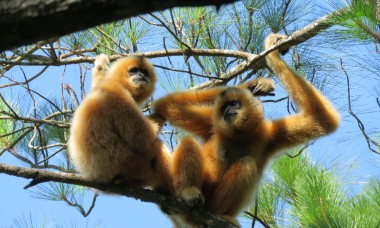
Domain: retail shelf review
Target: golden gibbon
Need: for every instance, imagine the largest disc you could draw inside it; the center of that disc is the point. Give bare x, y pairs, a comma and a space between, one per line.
222, 174
110, 138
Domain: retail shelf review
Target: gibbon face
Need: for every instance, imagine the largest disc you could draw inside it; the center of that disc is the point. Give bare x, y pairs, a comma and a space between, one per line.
136, 74
139, 76
237, 109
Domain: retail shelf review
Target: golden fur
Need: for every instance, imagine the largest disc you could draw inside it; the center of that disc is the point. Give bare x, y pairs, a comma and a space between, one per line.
110, 138
223, 173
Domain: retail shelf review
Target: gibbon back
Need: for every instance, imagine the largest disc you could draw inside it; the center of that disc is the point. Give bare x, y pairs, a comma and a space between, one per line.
223, 173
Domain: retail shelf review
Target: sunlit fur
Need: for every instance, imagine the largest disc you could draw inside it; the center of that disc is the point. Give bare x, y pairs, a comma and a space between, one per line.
101, 66
227, 168
111, 138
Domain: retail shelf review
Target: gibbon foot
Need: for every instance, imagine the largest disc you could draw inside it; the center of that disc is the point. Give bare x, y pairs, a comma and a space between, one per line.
193, 197
230, 219
264, 87
119, 179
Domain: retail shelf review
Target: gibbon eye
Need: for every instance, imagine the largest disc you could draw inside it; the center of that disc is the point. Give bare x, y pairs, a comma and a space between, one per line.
134, 70
145, 72
233, 102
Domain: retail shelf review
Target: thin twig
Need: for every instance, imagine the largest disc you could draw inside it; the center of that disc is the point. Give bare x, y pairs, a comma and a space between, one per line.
24, 159
166, 52
266, 225
29, 80
275, 101
28, 88
237, 46
360, 124
283, 16
113, 40
37, 94
55, 123
6, 103
149, 21
255, 213
43, 147
12, 133
52, 155
302, 149
185, 71
100, 43
11, 145
171, 146
170, 31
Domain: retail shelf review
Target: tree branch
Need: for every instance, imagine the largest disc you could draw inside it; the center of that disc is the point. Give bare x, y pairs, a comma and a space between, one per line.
25, 22
55, 123
41, 176
360, 123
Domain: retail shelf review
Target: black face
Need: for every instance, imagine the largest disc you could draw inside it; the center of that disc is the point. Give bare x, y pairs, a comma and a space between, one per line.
229, 109
139, 75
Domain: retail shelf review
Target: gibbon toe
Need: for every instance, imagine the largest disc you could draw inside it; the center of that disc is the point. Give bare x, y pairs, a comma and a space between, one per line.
193, 197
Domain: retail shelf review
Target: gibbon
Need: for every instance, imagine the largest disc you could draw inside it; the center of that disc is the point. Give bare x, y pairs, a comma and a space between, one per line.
223, 173
110, 138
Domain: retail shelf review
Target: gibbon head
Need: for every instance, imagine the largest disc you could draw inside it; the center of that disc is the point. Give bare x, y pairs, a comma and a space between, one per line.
137, 75
237, 110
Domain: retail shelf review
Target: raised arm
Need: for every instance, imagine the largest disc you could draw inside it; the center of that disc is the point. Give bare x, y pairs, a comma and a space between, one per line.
192, 110
317, 116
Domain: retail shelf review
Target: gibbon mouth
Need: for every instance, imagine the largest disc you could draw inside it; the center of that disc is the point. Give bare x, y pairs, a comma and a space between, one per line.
230, 116
140, 78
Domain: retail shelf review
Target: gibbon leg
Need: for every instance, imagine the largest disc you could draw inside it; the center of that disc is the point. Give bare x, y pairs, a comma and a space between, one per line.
230, 219
187, 171
230, 194
162, 177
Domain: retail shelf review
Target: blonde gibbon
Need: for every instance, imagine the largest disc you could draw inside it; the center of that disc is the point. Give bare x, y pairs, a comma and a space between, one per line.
110, 138
222, 174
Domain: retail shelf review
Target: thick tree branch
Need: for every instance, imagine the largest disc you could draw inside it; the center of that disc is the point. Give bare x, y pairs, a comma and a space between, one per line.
40, 176
150, 54
25, 22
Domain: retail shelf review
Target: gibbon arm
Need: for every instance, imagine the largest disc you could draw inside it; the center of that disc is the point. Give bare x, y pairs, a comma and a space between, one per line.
157, 121
192, 110
99, 71
317, 116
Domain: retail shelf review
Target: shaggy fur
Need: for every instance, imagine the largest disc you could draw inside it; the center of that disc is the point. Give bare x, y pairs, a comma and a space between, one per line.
223, 173
110, 138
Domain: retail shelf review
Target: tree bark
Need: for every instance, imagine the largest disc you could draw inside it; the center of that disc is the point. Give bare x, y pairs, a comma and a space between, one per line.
25, 22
